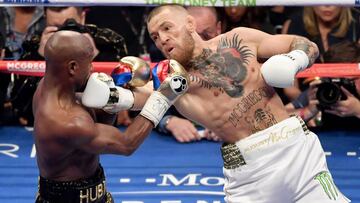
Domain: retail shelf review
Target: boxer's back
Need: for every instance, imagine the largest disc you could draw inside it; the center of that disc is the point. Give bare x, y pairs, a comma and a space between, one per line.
59, 156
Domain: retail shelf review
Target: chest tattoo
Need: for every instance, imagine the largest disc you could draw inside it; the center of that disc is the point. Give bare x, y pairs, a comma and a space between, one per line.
204, 83
246, 103
224, 68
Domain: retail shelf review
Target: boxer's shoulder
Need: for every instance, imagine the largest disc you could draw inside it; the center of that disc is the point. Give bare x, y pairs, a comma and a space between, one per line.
66, 122
239, 39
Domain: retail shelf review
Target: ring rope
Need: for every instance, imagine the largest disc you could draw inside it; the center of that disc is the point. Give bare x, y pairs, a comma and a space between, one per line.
218, 3
37, 68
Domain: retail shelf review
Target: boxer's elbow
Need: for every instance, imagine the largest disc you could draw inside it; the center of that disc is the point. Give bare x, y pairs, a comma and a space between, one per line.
316, 50
122, 149
127, 147
129, 150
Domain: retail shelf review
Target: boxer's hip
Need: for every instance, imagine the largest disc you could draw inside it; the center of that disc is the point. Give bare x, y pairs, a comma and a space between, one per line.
283, 163
88, 190
263, 143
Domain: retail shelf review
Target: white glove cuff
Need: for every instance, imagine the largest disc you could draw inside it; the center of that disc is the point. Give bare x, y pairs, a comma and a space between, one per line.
120, 99
96, 93
155, 107
300, 57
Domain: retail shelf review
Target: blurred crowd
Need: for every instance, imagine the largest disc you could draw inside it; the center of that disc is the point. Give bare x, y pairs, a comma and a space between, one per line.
324, 103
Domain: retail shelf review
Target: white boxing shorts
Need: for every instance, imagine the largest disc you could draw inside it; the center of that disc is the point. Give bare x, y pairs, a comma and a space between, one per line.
284, 163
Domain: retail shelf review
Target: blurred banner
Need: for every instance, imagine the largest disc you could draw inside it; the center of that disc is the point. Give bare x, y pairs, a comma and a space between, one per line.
218, 3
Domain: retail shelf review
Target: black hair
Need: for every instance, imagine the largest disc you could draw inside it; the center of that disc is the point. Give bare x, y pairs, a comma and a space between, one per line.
58, 9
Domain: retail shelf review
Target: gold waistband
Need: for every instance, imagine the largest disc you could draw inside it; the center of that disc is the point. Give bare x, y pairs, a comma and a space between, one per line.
232, 156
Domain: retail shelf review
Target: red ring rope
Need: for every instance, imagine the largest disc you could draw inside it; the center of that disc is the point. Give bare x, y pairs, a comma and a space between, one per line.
37, 68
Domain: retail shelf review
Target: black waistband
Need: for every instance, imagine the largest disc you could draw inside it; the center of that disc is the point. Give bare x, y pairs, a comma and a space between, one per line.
88, 190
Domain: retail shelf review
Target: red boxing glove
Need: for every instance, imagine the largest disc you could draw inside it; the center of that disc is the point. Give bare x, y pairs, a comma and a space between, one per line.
160, 72
131, 70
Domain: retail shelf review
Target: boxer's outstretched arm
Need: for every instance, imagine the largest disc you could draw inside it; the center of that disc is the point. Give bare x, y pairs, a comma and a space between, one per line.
141, 94
100, 138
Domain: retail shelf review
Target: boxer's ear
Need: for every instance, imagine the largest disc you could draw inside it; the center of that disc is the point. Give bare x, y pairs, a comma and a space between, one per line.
72, 67
190, 24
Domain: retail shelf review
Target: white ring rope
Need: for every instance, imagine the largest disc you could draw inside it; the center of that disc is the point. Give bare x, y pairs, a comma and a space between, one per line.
217, 3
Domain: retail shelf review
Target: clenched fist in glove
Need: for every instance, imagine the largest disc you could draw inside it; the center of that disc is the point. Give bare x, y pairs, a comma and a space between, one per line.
131, 70
280, 70
174, 83
101, 93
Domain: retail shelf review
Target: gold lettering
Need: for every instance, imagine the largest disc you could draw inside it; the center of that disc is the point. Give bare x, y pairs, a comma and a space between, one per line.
100, 190
274, 137
82, 196
91, 194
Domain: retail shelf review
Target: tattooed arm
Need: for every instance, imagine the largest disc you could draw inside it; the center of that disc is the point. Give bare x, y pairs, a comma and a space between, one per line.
287, 52
270, 45
310, 48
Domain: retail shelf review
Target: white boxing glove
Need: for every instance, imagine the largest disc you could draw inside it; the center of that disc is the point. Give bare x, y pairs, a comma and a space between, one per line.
280, 70
101, 93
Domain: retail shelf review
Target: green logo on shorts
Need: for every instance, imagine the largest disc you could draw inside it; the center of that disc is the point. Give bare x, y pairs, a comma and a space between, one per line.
327, 184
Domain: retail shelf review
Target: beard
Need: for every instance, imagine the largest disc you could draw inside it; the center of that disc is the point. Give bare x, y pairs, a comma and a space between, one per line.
186, 53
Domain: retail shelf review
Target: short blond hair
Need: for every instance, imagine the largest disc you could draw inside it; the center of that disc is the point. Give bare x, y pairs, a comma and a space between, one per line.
159, 9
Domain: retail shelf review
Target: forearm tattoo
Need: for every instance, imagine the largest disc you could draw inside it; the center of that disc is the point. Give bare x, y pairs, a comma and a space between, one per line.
225, 68
308, 47
247, 102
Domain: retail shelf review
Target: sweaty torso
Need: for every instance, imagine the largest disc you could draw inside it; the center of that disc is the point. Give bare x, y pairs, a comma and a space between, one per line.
58, 155
227, 93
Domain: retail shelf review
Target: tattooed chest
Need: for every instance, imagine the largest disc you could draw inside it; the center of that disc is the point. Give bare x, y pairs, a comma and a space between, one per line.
225, 68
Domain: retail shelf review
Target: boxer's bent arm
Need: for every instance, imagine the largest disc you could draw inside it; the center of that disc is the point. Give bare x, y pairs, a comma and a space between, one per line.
100, 138
284, 43
265, 42
287, 43
100, 116
309, 47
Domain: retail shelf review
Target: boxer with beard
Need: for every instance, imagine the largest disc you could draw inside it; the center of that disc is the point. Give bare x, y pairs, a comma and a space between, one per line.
269, 156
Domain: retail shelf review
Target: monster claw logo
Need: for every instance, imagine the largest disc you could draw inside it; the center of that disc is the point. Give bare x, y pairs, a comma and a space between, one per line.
327, 184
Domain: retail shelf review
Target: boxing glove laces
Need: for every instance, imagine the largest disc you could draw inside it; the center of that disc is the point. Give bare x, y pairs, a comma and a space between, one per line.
280, 70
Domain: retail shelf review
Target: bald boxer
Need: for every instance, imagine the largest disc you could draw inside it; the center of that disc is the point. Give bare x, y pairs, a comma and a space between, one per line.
268, 155
68, 137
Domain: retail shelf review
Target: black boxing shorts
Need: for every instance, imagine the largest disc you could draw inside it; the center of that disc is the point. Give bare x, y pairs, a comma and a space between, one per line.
89, 190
